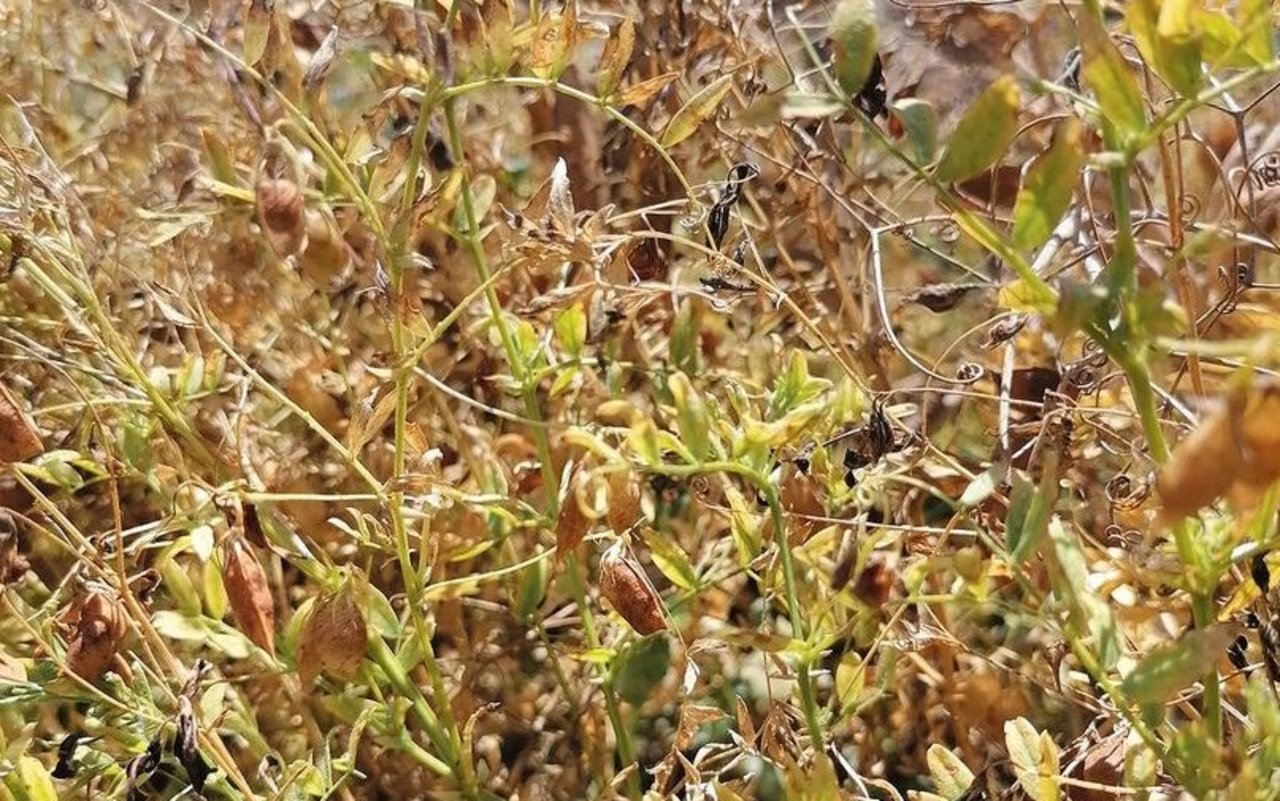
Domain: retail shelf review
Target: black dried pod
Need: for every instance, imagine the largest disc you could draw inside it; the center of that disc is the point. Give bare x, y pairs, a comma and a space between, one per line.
1260, 572
184, 741
1003, 330
1251, 620
151, 757
742, 172
1270, 649
185, 747
718, 220
939, 298
253, 526
874, 96
1070, 77
846, 558
138, 768
64, 769
881, 433
715, 283
1236, 653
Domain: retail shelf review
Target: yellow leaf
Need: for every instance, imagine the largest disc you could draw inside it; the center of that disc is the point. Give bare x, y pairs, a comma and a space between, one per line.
701, 106
616, 56
984, 133
641, 93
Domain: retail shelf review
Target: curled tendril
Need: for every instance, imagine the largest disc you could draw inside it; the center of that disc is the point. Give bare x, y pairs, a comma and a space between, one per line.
693, 219
969, 373
1118, 537
1234, 285
1265, 171
1122, 493
947, 232
1191, 206
700, 487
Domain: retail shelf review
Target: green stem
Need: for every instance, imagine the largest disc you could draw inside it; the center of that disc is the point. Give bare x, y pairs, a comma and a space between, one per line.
621, 732
404, 687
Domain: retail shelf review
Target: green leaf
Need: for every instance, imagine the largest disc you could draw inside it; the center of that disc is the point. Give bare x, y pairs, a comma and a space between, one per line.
533, 588
1035, 759
853, 41
920, 122
1018, 295
1089, 615
34, 780
984, 133
215, 592
683, 345
1033, 505
981, 488
671, 559
1169, 37
851, 678
1107, 73
950, 775
691, 415
814, 782
571, 329
1046, 192
1165, 671
1255, 23
699, 107
642, 667
381, 615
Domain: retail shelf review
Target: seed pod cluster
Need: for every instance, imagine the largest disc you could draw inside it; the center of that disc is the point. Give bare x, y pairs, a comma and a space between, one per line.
248, 595
625, 586
333, 639
99, 625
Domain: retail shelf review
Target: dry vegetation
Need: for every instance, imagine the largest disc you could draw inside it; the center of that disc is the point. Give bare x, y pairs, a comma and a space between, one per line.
589, 400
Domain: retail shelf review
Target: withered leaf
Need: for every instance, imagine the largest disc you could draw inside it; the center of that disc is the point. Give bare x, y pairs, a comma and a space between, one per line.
639, 94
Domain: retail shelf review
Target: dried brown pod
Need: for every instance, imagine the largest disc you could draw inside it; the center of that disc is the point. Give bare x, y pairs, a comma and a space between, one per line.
13, 564
281, 215
326, 254
249, 595
19, 438
571, 525
624, 584
333, 639
800, 496
624, 500
875, 582
98, 624
253, 526
846, 557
